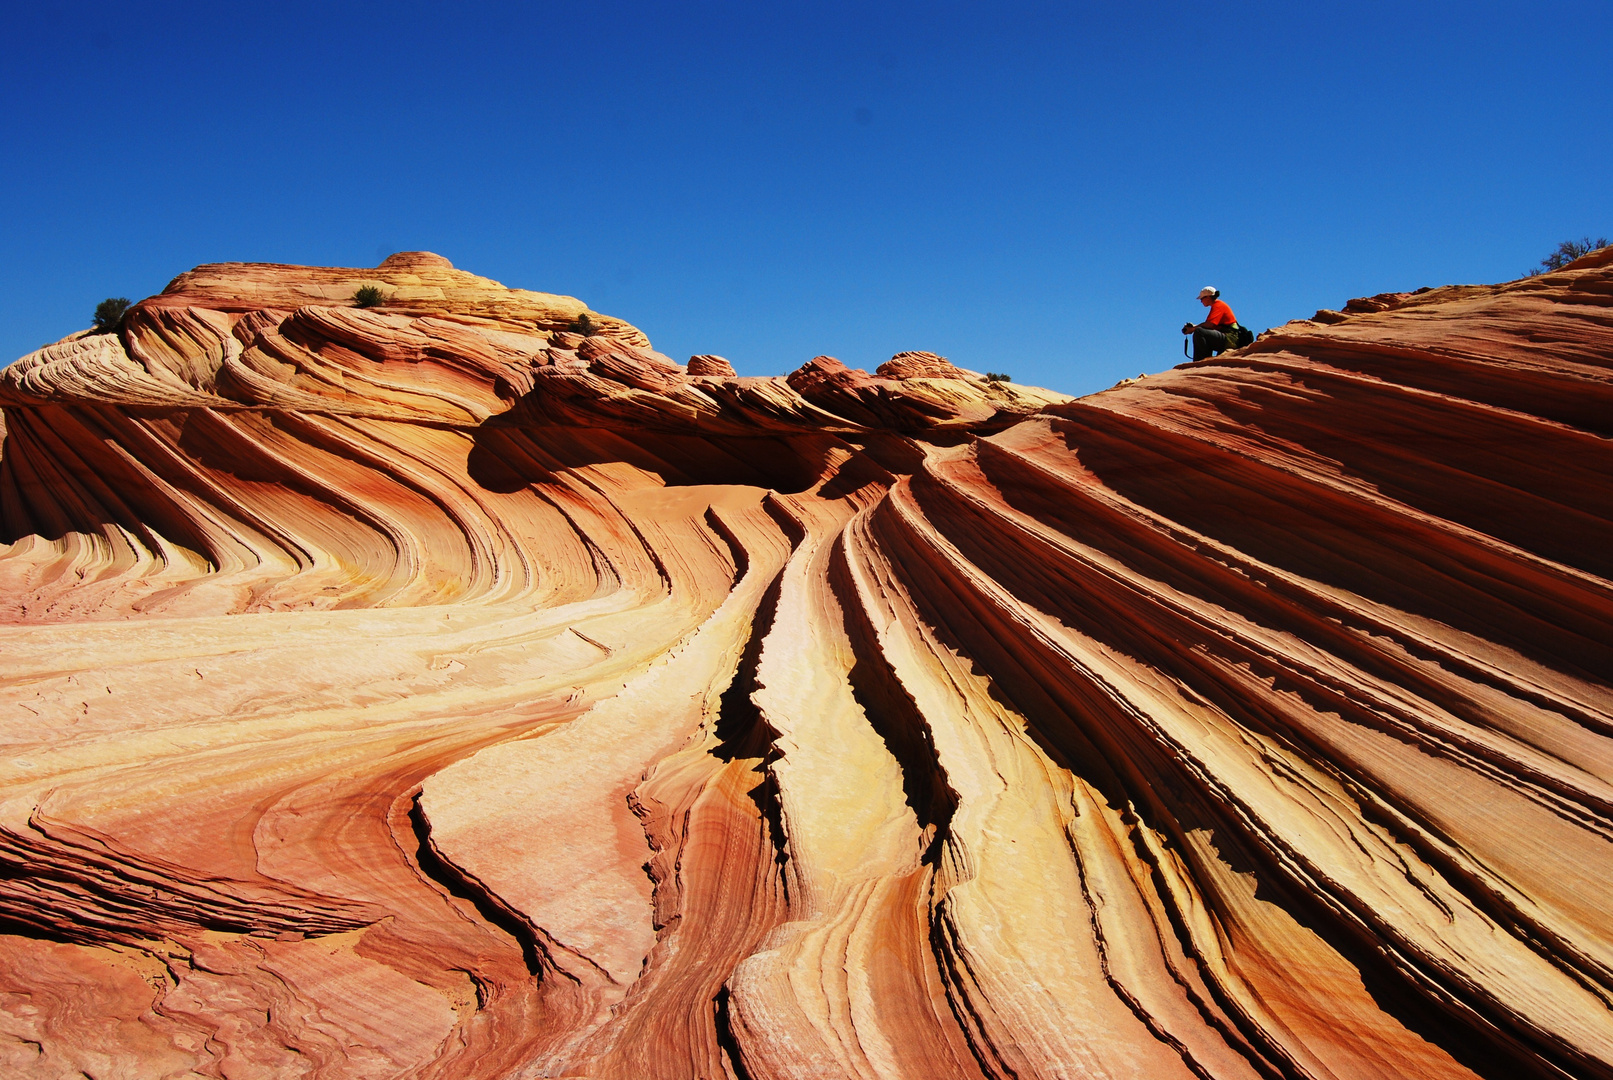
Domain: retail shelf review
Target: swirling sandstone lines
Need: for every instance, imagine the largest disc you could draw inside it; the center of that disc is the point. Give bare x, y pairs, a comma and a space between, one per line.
1222, 770
437, 690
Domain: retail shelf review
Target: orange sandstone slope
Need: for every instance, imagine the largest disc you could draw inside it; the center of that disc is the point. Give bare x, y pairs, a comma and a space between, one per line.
434, 691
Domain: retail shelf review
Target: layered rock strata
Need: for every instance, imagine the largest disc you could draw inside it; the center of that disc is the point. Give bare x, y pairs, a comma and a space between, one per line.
459, 688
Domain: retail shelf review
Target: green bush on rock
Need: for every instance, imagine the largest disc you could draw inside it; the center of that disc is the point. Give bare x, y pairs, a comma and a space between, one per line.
109, 313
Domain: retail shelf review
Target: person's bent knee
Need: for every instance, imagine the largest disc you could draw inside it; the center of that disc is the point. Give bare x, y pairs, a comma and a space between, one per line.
1207, 343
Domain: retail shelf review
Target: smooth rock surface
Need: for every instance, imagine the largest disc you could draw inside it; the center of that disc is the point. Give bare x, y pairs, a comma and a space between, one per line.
436, 690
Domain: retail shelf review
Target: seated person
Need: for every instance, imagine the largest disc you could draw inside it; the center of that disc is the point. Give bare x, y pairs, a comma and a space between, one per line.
1213, 335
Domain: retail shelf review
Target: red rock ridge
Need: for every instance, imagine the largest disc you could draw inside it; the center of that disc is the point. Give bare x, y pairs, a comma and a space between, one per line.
440, 690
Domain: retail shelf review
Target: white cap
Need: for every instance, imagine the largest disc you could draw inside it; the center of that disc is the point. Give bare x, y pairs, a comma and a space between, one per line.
1209, 290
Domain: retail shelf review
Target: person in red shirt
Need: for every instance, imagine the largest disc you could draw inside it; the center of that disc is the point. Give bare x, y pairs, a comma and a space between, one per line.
1212, 335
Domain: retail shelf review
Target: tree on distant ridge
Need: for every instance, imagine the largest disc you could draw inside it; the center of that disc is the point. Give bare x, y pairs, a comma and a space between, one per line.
109, 312
1567, 252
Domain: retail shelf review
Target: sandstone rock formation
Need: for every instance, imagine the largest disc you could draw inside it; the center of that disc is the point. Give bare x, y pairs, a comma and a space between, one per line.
920, 365
442, 690
711, 365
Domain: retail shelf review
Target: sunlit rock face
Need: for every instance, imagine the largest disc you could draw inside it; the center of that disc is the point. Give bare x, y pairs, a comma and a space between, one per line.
438, 689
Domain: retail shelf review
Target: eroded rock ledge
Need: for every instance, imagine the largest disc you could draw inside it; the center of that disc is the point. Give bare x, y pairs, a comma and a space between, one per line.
460, 688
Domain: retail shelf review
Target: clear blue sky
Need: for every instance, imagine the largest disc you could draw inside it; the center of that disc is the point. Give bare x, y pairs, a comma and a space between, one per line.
1038, 189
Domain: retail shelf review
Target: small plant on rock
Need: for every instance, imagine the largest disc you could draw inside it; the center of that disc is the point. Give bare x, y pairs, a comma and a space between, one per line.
1567, 252
109, 313
998, 376
369, 296
584, 326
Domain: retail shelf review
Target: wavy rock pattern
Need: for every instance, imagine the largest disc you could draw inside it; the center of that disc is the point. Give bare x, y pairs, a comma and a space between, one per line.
434, 691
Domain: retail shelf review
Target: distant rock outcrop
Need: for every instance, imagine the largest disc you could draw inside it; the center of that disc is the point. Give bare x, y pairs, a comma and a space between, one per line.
710, 365
459, 687
920, 365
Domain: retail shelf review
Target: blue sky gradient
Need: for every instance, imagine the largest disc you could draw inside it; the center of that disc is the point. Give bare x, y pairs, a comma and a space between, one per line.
1035, 189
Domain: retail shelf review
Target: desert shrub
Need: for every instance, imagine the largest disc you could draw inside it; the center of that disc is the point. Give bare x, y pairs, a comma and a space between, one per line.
1567, 252
110, 312
368, 296
998, 376
584, 326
